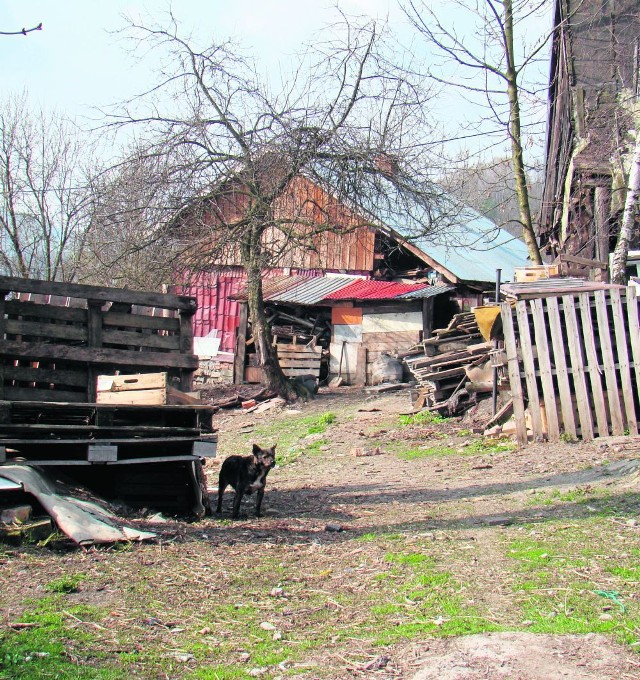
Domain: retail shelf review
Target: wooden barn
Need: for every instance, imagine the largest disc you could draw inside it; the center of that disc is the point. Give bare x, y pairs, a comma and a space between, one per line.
593, 88
373, 276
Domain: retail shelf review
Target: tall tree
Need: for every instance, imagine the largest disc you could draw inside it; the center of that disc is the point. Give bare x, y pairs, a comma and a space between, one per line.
487, 62
233, 148
43, 208
621, 252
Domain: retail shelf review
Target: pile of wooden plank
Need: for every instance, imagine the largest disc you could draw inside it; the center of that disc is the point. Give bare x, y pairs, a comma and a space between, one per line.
441, 363
144, 455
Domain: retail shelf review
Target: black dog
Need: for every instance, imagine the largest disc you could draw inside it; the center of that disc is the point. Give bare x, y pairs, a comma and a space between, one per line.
246, 474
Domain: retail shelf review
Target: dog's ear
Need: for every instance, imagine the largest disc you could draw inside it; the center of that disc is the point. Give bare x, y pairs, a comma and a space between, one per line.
273, 448
256, 449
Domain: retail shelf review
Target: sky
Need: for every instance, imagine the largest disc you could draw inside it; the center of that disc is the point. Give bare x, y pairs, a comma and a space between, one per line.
78, 63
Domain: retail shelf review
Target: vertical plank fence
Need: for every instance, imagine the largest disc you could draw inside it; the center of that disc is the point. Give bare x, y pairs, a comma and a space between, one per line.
574, 364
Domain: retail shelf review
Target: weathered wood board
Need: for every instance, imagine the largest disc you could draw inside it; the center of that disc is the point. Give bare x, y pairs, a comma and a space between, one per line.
578, 356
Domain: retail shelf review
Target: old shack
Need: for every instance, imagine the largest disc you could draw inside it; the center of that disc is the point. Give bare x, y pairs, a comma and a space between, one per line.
454, 264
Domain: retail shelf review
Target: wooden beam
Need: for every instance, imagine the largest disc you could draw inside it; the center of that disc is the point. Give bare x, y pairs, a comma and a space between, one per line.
43, 350
97, 293
586, 262
241, 345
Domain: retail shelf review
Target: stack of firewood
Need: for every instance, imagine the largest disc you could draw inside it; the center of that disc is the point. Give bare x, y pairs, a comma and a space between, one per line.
442, 365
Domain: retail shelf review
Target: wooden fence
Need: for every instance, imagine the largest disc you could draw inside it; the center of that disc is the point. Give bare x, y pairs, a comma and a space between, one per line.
575, 360
56, 338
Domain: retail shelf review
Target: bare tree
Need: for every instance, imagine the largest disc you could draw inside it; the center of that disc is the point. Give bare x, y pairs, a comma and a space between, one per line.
489, 188
122, 246
487, 63
23, 31
43, 212
621, 253
233, 151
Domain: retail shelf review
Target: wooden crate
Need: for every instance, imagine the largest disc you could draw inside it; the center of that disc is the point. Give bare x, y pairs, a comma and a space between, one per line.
142, 389
536, 273
299, 359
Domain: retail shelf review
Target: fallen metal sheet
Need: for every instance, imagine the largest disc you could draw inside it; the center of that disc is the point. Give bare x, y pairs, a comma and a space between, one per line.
84, 521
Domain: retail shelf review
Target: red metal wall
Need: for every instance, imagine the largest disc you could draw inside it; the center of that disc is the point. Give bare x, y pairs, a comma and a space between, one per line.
215, 310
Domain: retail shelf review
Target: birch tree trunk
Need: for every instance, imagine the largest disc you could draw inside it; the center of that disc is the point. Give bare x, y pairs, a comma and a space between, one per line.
619, 260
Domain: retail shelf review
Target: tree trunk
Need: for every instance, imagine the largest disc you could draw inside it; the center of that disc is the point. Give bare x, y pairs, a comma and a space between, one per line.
274, 378
517, 156
620, 254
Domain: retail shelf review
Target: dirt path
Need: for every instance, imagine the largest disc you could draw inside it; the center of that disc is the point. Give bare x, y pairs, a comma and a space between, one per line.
442, 556
473, 496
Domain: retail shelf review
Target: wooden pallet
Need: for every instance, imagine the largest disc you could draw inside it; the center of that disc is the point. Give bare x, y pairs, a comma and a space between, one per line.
440, 368
299, 359
49, 433
55, 338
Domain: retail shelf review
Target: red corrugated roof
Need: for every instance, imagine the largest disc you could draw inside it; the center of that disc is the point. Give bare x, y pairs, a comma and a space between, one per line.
374, 290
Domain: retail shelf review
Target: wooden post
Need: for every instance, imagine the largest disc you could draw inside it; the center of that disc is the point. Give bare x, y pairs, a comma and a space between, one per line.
94, 341
241, 345
427, 317
601, 219
2, 327
361, 367
186, 346
514, 373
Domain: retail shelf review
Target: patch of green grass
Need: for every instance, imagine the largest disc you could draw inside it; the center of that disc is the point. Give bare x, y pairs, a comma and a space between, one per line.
422, 418
315, 447
289, 434
480, 446
371, 536
65, 584
560, 578
426, 601
427, 452
631, 574
56, 646
319, 424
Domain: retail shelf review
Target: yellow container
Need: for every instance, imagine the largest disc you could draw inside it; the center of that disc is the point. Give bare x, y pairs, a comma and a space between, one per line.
486, 317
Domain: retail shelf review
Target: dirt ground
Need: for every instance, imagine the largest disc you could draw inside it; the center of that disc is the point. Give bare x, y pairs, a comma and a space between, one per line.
382, 493
319, 509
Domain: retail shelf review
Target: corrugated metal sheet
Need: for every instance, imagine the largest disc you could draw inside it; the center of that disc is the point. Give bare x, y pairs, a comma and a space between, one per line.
312, 291
216, 308
429, 291
273, 287
219, 294
374, 290
555, 286
464, 242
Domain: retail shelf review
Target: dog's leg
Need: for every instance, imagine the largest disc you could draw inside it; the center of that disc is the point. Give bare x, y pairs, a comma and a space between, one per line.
236, 504
221, 487
259, 495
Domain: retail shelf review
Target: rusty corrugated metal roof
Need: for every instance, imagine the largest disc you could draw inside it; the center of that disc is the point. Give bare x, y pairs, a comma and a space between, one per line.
374, 290
312, 291
271, 286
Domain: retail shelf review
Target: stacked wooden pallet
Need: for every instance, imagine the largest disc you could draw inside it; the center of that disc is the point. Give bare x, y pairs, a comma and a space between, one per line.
440, 367
298, 360
56, 338
146, 455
